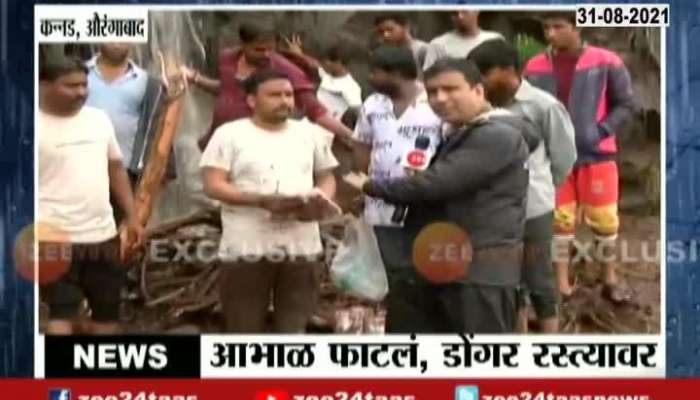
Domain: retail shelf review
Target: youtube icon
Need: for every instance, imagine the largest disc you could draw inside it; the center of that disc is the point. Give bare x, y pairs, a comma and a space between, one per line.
272, 395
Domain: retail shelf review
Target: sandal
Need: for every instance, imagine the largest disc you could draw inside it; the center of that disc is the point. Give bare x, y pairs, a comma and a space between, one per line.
617, 294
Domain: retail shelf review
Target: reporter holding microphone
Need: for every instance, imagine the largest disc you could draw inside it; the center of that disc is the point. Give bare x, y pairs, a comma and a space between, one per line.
414, 161
475, 189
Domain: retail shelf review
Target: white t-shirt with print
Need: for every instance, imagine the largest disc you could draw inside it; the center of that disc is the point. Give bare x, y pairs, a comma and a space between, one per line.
338, 94
265, 162
391, 139
73, 174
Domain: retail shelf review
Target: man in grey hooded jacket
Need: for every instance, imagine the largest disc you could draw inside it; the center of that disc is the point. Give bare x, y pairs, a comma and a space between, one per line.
549, 164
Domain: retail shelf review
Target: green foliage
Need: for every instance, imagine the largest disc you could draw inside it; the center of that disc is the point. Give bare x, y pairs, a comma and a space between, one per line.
527, 46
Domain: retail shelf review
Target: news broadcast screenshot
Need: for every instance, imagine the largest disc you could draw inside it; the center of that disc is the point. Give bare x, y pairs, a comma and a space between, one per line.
348, 200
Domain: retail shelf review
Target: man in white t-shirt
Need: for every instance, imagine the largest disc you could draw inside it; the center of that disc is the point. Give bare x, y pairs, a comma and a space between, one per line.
389, 124
266, 170
460, 41
79, 163
338, 90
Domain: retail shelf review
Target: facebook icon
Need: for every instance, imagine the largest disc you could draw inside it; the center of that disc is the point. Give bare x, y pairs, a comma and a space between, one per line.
467, 393
59, 394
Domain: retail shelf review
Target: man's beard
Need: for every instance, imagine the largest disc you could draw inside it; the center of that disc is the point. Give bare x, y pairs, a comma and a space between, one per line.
116, 59
498, 98
277, 117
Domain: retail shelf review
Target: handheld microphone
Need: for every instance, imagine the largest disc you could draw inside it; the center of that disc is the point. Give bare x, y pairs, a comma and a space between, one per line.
415, 160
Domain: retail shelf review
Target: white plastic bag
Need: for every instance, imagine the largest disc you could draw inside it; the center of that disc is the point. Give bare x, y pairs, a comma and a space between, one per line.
357, 268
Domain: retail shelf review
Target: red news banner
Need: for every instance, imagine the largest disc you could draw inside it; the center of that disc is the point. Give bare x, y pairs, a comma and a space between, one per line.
365, 389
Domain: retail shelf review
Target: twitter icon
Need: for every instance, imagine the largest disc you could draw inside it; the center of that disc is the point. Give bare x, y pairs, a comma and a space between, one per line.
467, 393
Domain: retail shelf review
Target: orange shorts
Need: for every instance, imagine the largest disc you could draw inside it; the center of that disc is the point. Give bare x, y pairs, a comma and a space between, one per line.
594, 188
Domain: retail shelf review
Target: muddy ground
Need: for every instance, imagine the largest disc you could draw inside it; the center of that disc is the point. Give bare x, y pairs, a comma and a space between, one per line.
588, 312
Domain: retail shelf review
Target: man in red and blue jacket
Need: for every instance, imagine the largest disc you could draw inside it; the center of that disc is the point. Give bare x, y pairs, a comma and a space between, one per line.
595, 86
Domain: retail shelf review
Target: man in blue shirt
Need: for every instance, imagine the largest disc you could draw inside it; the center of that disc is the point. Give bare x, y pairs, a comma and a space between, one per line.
131, 98
117, 86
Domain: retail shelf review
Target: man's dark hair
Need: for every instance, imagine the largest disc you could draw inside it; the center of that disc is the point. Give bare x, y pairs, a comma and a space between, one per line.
567, 16
465, 67
396, 17
392, 58
495, 53
250, 32
52, 67
337, 53
254, 81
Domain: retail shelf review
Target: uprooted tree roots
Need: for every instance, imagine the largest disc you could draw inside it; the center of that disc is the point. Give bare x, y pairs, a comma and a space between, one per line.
174, 283
174, 289
588, 311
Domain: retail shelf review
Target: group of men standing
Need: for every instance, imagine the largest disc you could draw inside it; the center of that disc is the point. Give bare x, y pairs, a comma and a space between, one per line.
514, 154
